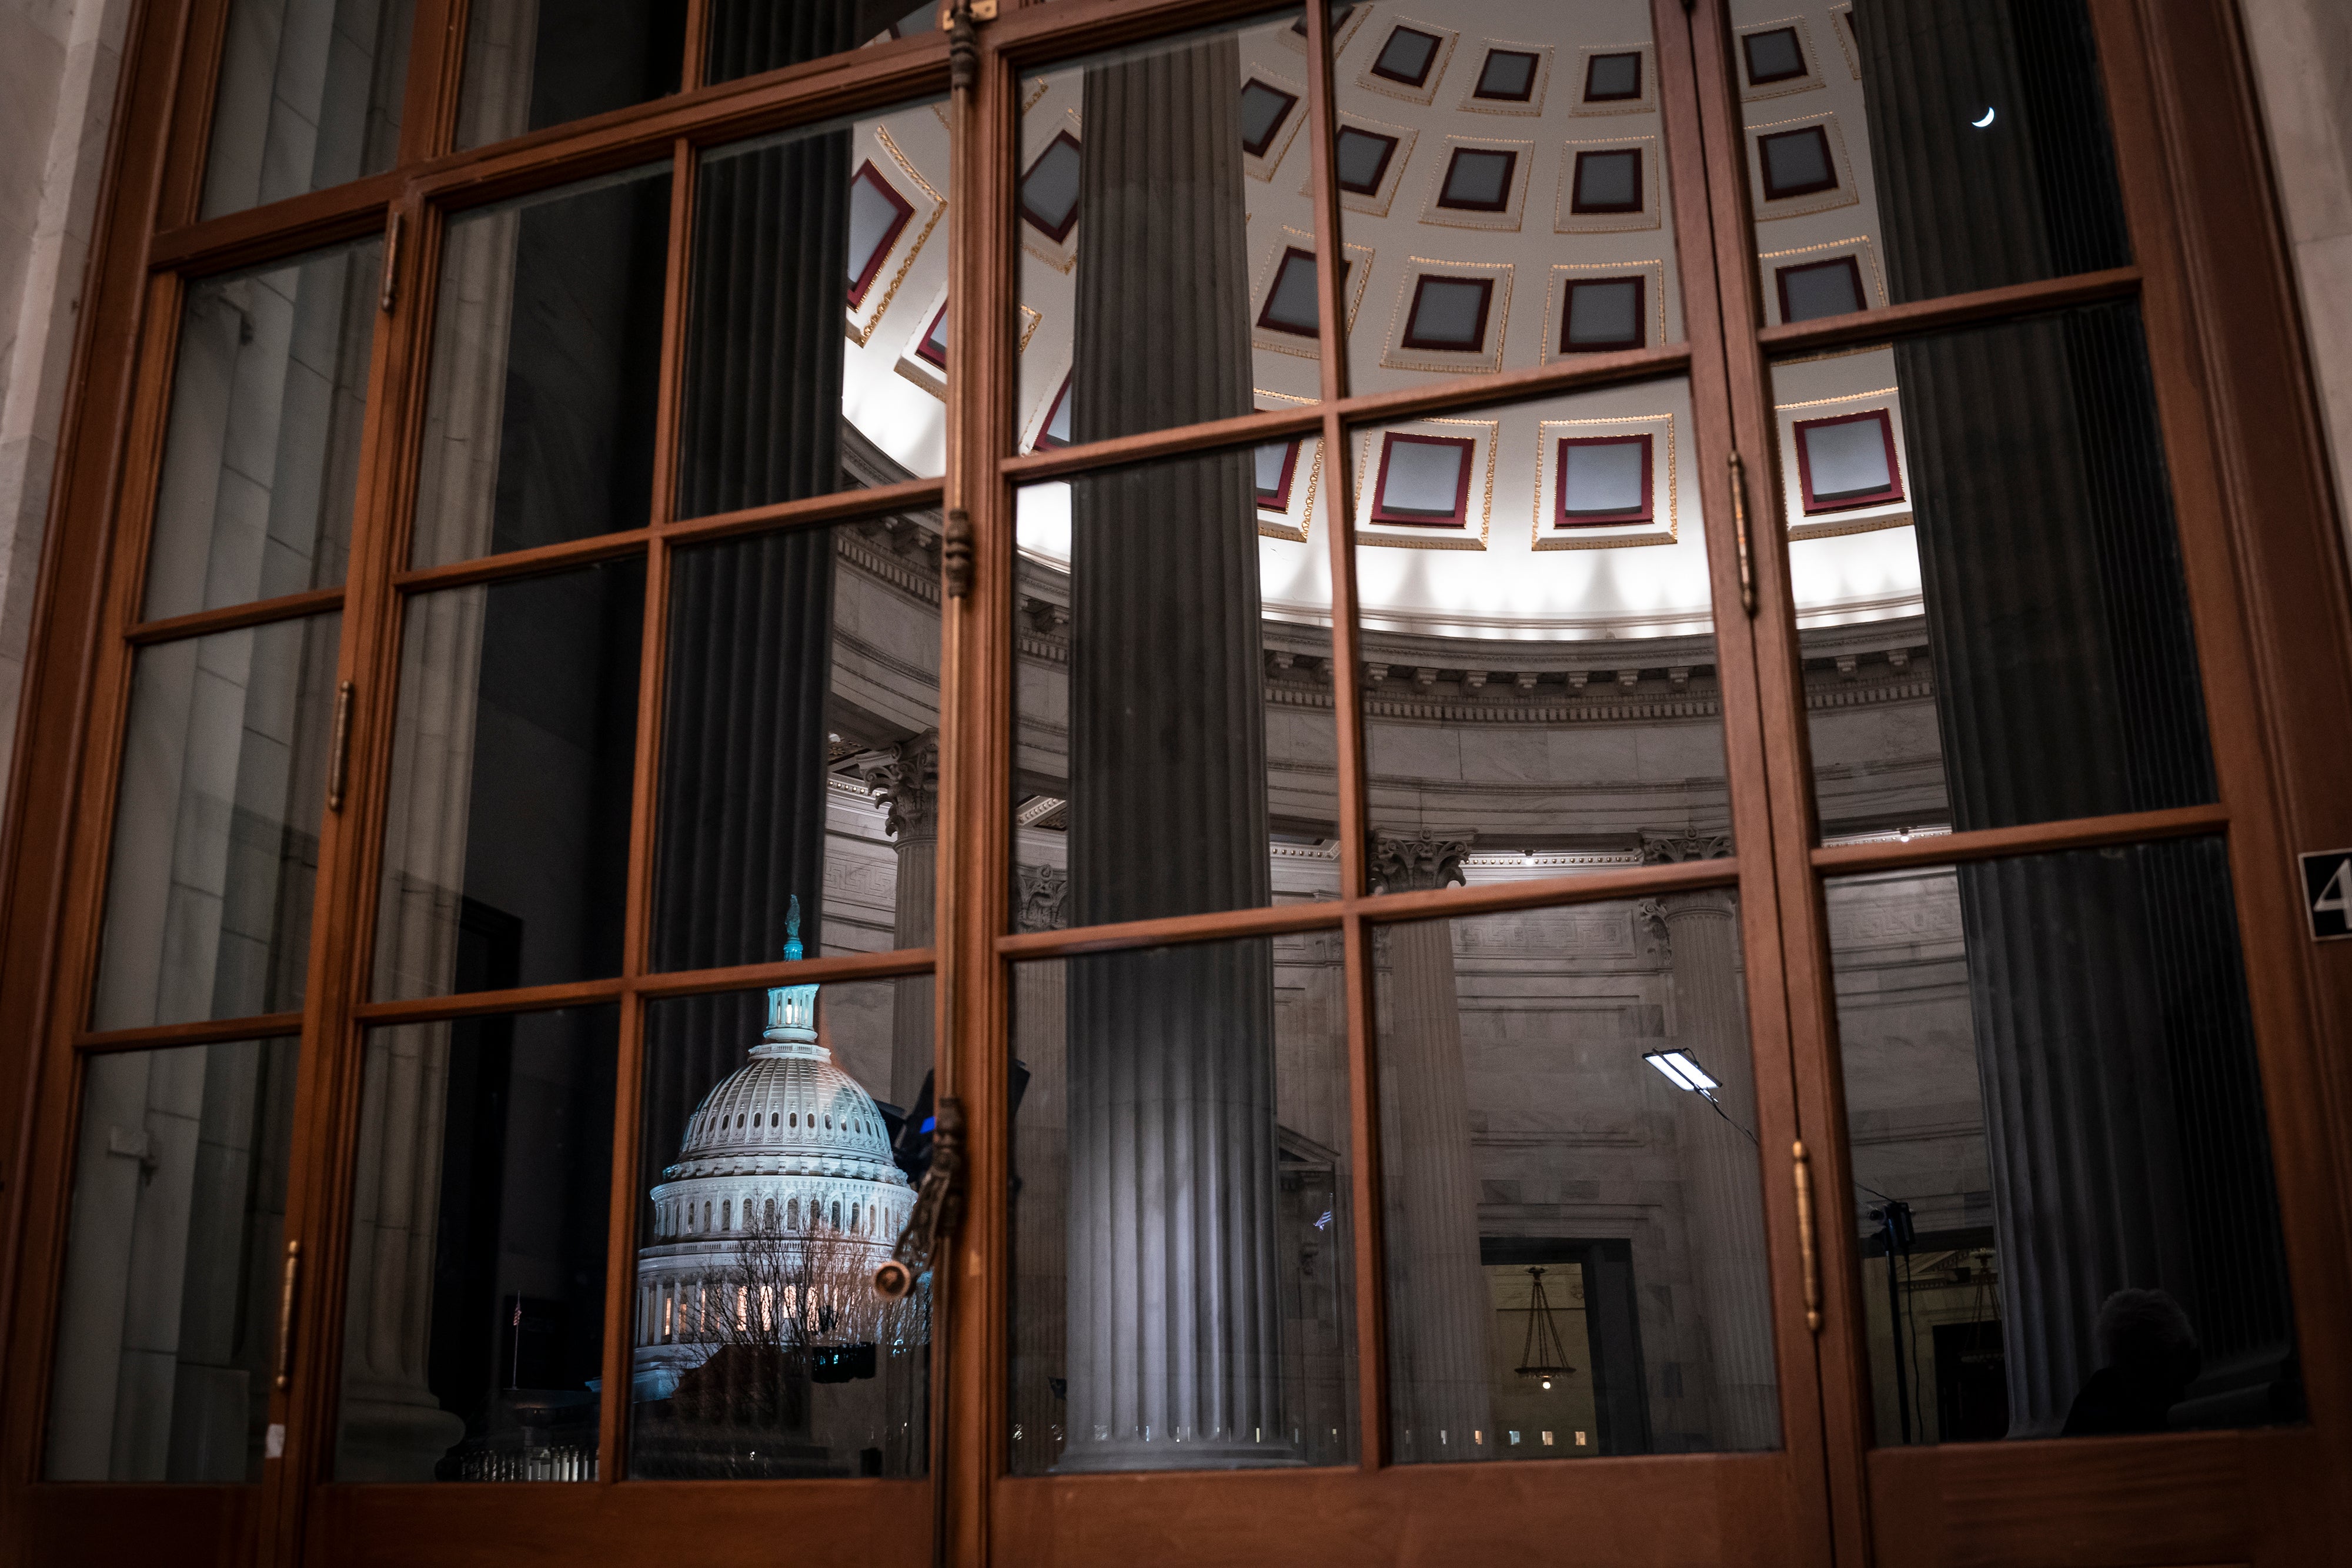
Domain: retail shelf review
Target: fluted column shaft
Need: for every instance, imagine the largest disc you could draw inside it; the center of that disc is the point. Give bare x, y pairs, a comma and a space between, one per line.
2122, 1113
906, 784
1174, 1331
1040, 1139
1441, 1314
1726, 1203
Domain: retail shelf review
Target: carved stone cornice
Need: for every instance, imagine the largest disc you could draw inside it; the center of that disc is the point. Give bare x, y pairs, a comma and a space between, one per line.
905, 780
1665, 849
1417, 862
1041, 898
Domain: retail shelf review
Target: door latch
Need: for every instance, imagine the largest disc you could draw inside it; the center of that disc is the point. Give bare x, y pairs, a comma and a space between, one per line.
938, 1205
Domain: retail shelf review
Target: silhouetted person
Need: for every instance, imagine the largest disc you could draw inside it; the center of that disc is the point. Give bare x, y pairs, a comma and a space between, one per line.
2151, 1357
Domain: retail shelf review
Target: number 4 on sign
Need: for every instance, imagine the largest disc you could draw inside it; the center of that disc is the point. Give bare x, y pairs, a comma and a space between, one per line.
2327, 893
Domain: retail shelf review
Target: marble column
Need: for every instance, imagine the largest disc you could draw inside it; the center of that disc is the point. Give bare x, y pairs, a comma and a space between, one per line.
1174, 1315
1440, 1312
1725, 1201
2124, 1118
906, 783
1040, 1168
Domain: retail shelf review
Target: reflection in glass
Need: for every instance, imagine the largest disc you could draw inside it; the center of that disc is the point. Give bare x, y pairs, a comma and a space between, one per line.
261, 453
530, 65
748, 37
474, 1309
507, 829
310, 97
546, 359
216, 826
800, 748
773, 1187
799, 239
1922, 148
1527, 1147
1991, 598
2062, 1190
166, 1321
1538, 636
1502, 182
1162, 193
1174, 750
1184, 1264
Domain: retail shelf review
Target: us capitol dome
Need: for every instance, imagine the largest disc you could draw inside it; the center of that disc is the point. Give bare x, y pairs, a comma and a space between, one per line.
786, 1156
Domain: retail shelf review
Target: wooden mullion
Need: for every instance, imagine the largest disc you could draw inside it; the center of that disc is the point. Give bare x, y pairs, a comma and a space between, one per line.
277, 229
537, 561
1320, 914
840, 506
234, 617
621, 1245
329, 1068
636, 940
694, 65
889, 964
2027, 839
200, 1032
202, 30
1765, 743
1365, 1203
428, 106
1242, 429
1875, 327
972, 1329
1582, 374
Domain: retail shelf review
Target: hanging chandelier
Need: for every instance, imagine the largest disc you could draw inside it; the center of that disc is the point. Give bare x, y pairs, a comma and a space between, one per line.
1543, 1357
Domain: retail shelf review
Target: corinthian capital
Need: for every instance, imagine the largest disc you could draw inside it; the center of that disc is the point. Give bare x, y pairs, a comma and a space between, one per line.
1402, 864
1042, 898
906, 781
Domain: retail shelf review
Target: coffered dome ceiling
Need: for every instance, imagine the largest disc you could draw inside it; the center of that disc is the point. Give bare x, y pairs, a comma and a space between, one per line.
1485, 179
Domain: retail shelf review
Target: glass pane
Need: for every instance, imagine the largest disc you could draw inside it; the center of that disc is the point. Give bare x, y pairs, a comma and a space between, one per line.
793, 234
801, 745
216, 826
1898, 149
2063, 1188
507, 832
539, 423
1990, 597
474, 1311
775, 1183
1503, 184
167, 1322
1562, 710
748, 37
530, 65
261, 455
1164, 207
1184, 1291
1575, 1223
1173, 748
310, 97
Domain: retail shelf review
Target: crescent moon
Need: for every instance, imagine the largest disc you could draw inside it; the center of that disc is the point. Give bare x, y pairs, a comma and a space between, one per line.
1980, 124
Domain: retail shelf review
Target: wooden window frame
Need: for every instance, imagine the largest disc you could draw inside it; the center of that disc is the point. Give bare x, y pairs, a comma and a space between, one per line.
2268, 596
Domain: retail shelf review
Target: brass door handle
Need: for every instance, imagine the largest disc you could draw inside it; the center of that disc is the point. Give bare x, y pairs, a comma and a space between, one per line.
1739, 533
285, 1317
388, 295
338, 748
1808, 1255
